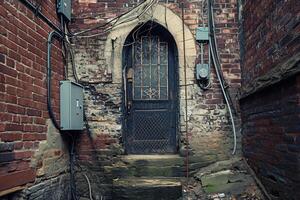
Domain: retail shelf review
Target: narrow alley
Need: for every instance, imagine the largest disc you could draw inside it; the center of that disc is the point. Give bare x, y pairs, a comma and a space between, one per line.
149, 99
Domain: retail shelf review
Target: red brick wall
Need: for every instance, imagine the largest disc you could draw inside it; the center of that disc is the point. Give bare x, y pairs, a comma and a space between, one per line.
23, 109
271, 35
23, 90
271, 137
270, 117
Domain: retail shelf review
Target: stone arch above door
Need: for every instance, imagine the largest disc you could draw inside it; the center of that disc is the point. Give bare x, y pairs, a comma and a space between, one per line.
161, 15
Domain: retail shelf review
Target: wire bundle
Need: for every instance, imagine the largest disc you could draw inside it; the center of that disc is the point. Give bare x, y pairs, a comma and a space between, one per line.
141, 9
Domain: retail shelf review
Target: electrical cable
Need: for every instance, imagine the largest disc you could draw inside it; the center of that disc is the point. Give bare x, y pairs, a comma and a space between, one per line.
213, 28
218, 55
74, 70
63, 47
73, 66
34, 9
78, 81
90, 188
217, 65
57, 33
115, 20
166, 23
72, 169
148, 7
72, 53
59, 36
104, 25
108, 29
52, 35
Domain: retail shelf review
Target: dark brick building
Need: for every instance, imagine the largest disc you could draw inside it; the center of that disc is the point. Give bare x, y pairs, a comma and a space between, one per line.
270, 94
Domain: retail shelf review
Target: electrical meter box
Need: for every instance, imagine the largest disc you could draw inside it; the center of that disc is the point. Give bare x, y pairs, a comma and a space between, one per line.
71, 106
64, 8
202, 71
202, 34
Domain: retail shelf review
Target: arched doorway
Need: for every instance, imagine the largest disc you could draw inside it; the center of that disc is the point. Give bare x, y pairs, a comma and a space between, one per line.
150, 78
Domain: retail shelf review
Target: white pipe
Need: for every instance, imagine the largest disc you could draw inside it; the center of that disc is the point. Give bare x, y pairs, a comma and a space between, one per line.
90, 188
216, 64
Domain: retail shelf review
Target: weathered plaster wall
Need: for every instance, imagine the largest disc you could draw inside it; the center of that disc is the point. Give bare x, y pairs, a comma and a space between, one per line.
98, 59
32, 153
270, 103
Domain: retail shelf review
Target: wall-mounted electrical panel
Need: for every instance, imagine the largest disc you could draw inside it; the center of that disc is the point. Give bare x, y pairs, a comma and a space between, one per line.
202, 34
71, 106
64, 8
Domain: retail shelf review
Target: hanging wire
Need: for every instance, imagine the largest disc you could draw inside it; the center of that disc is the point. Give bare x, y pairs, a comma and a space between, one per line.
90, 188
218, 70
115, 20
166, 22
113, 23
72, 164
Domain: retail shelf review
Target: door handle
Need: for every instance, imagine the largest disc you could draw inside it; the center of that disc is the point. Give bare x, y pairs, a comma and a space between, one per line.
125, 85
129, 105
129, 75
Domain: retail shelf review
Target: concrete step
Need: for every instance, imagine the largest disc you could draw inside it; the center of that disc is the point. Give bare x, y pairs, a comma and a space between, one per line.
147, 188
150, 166
155, 166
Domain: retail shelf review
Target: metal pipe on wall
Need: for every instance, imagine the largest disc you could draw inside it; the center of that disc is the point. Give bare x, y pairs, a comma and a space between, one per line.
185, 94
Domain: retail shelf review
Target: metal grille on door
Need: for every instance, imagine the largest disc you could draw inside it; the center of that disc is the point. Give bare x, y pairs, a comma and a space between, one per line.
150, 69
150, 104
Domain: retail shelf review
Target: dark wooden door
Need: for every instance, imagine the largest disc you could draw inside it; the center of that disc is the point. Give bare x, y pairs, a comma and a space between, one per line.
150, 81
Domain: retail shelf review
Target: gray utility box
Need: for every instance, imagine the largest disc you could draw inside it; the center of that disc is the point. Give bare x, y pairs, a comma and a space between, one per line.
64, 8
202, 34
71, 106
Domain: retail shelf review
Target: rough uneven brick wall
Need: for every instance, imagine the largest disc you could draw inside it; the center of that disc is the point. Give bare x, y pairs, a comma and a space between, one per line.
209, 126
271, 35
27, 153
30, 145
270, 117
